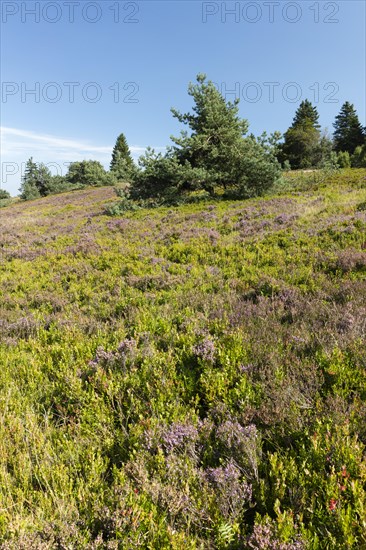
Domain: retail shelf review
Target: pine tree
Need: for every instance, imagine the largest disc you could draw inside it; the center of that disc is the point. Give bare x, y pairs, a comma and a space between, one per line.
306, 115
29, 189
217, 145
121, 154
215, 128
43, 180
216, 132
213, 153
37, 181
302, 139
30, 172
348, 132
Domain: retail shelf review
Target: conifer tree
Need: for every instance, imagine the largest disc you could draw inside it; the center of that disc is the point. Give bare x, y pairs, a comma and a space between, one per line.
121, 151
216, 132
302, 139
35, 181
215, 149
306, 115
212, 153
348, 131
122, 165
30, 172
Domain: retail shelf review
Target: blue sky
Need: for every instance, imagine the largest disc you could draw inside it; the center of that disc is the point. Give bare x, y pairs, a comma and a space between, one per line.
101, 68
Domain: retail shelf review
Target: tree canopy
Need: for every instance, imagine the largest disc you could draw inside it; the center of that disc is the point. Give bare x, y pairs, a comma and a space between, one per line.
88, 173
122, 164
306, 115
302, 139
212, 153
35, 181
348, 131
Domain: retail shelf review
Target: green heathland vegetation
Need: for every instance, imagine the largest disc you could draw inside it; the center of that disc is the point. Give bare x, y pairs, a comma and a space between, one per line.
189, 377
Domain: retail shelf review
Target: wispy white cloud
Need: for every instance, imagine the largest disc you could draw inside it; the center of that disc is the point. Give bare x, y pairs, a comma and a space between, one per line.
9, 137
17, 145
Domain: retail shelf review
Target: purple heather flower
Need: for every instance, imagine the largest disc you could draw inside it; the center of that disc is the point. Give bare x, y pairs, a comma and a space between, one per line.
179, 436
103, 357
246, 368
231, 492
223, 476
127, 346
205, 350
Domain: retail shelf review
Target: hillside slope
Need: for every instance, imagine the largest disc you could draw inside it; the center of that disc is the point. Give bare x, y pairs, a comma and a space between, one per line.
190, 377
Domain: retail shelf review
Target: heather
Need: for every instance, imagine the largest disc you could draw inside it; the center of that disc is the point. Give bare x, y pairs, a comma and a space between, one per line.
185, 377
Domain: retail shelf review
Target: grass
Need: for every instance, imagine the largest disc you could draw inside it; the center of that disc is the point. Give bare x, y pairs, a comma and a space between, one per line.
191, 377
